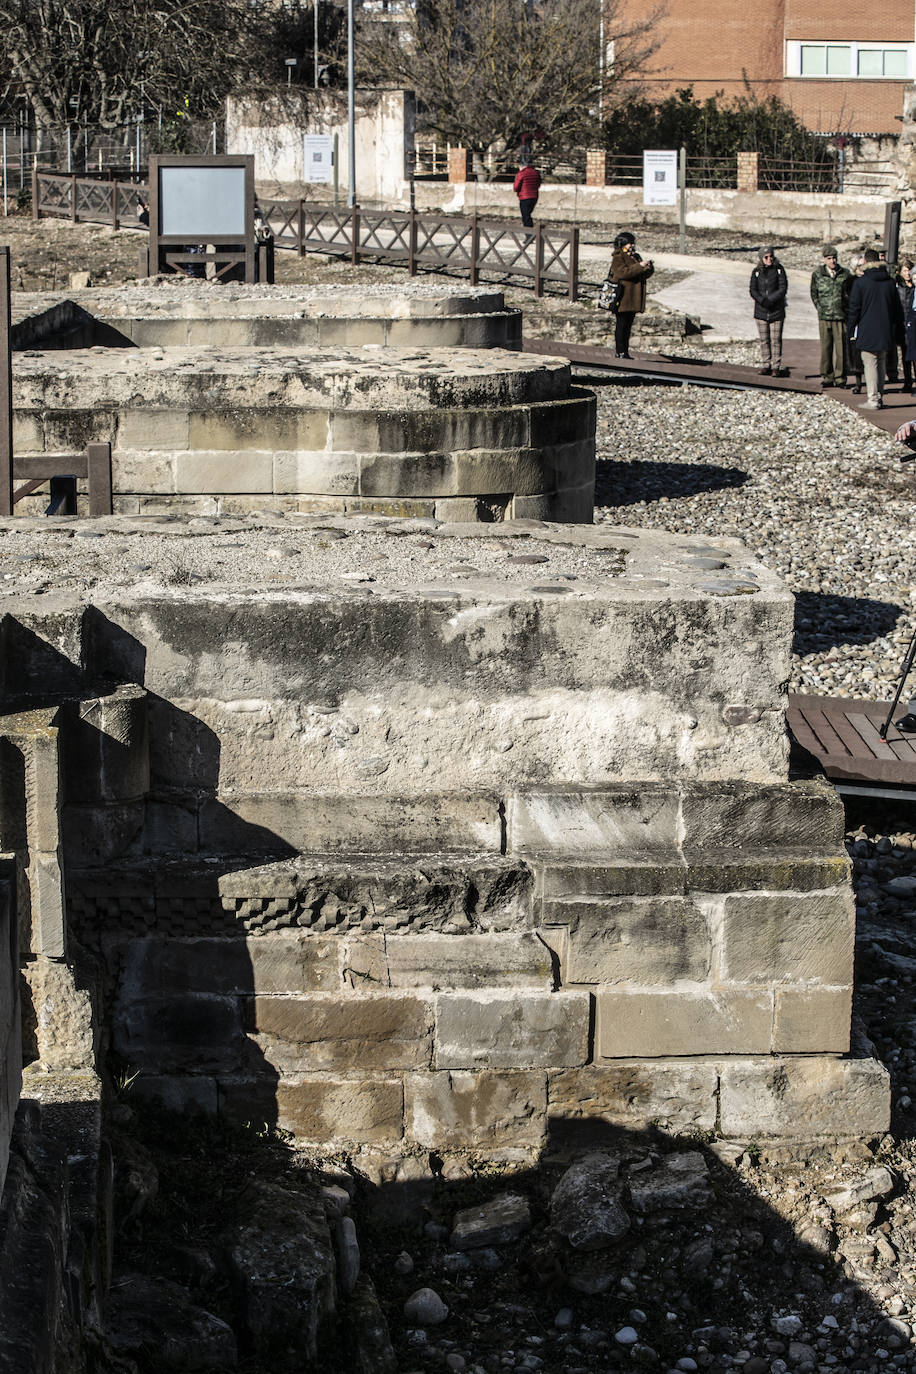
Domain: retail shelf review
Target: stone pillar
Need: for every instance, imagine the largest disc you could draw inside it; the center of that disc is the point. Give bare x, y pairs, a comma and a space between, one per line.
747, 171
459, 164
596, 167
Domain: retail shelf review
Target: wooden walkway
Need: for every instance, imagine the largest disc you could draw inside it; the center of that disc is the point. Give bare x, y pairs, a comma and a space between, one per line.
843, 737
800, 356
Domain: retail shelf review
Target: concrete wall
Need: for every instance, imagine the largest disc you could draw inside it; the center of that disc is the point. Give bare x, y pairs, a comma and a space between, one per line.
273, 130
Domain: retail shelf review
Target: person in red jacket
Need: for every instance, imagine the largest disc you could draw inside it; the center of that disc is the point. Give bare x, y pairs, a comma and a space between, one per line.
526, 186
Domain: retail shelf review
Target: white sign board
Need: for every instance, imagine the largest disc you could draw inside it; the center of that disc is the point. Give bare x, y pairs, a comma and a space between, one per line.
319, 158
198, 201
659, 178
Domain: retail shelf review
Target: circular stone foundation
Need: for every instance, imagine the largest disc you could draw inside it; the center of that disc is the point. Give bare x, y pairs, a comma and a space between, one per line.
197, 313
457, 434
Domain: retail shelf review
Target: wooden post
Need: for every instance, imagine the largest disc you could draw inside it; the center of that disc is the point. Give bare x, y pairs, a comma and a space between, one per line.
73, 199
6, 388
113, 187
538, 259
573, 291
98, 466
475, 248
300, 229
354, 236
36, 211
412, 243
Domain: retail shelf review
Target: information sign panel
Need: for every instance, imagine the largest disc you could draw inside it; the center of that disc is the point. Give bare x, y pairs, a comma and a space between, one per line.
659, 177
319, 158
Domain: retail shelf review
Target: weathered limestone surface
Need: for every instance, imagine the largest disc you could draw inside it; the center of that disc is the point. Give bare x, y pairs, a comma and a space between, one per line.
433, 432
192, 314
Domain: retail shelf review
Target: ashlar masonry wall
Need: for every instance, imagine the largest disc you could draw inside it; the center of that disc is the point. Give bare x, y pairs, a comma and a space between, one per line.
459, 862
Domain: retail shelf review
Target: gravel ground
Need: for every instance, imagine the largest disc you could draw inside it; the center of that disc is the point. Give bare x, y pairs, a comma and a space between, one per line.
815, 491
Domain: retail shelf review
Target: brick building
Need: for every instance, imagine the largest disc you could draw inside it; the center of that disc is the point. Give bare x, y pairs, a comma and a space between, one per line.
841, 68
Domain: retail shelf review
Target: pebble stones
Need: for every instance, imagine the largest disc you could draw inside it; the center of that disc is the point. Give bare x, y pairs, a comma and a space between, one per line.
585, 1208
425, 1308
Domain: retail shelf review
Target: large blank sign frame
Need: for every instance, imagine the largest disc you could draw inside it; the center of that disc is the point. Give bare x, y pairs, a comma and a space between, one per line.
202, 201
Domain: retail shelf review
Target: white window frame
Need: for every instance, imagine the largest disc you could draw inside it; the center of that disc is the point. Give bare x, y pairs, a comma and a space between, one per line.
793, 57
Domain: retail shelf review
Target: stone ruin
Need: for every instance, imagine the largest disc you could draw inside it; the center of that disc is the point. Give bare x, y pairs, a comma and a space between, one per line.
451, 835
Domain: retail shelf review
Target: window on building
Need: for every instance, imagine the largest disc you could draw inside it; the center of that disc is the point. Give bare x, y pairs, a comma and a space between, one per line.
869, 61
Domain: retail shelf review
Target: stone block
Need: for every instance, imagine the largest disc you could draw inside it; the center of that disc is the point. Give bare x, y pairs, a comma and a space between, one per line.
427, 474
48, 934
28, 433
70, 431
563, 421
59, 1014
178, 1092
459, 510
240, 504
635, 875
179, 505
788, 937
154, 429
171, 827
647, 940
326, 1110
512, 1030
135, 470
201, 471
363, 824
316, 471
399, 506
596, 822
750, 870
178, 1035
803, 815
475, 1111
679, 1095
98, 834
804, 1097
321, 505
284, 961
531, 508
42, 789
107, 748
329, 1031
574, 505
812, 1020
240, 429
663, 1024
415, 960
571, 465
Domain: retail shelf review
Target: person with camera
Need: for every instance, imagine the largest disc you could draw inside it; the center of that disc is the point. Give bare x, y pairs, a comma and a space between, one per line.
628, 268
769, 288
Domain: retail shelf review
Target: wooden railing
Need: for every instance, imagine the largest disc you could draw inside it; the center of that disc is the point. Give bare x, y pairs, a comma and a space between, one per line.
86, 199
470, 245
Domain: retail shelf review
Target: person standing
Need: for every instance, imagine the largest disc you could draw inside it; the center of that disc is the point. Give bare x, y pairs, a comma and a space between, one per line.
906, 336
769, 288
526, 185
830, 288
875, 313
628, 268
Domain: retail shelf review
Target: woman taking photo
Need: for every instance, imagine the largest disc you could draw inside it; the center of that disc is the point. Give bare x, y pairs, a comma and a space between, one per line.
628, 268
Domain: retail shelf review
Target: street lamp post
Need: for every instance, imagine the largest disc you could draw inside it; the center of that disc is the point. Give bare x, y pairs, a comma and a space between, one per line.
315, 57
351, 101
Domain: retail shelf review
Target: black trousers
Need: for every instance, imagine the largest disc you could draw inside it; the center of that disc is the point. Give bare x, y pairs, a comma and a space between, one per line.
526, 206
622, 328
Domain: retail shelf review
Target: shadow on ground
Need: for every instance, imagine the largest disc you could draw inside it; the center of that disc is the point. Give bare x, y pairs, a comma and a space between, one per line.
823, 620
630, 483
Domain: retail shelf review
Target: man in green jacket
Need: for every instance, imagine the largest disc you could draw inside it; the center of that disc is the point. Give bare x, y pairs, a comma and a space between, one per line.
830, 288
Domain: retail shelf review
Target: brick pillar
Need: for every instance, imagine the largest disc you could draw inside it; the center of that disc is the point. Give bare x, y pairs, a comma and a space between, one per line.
459, 164
595, 167
747, 171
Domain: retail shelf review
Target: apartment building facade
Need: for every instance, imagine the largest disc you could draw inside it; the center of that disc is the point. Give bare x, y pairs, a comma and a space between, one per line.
842, 68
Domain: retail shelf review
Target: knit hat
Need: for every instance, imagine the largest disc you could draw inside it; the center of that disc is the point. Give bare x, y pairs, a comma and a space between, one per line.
830, 251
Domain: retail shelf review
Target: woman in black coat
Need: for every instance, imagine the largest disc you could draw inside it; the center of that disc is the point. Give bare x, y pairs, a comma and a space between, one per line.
769, 288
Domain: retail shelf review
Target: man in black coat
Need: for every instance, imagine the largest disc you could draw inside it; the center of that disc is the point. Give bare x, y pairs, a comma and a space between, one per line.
875, 315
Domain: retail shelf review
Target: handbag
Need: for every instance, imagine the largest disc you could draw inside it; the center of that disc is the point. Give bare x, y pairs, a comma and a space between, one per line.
609, 295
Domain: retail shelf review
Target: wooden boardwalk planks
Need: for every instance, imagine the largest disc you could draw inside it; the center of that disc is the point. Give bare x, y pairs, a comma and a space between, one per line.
843, 736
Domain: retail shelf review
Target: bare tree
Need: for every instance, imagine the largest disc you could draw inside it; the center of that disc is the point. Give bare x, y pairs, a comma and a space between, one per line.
488, 72
98, 60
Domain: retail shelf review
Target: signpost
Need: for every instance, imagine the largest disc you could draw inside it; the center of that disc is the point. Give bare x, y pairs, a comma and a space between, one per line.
659, 178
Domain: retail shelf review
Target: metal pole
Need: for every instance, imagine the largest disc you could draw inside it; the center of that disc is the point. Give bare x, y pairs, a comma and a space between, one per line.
69, 151
601, 63
138, 147
214, 138
336, 169
351, 102
6, 389
6, 209
315, 57
682, 180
